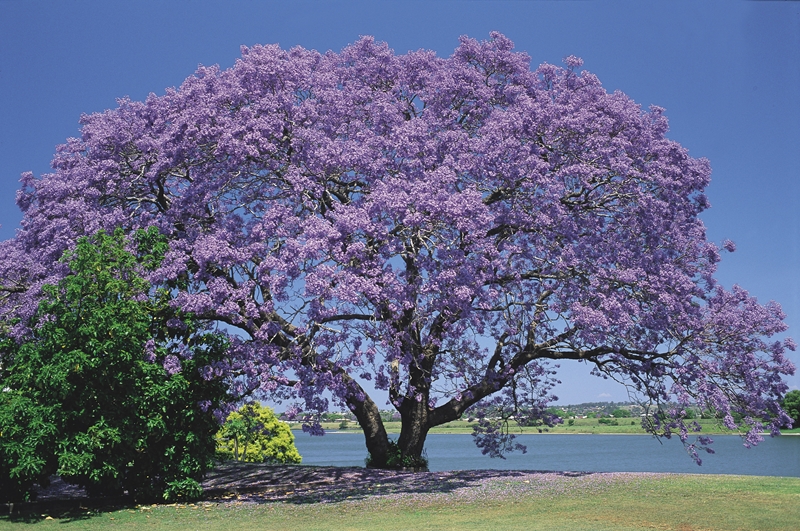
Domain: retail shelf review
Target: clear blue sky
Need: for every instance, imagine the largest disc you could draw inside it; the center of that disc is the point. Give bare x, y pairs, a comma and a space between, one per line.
728, 73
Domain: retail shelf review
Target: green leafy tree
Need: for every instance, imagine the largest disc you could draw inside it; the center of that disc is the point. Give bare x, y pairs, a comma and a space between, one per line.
254, 434
791, 404
621, 413
112, 389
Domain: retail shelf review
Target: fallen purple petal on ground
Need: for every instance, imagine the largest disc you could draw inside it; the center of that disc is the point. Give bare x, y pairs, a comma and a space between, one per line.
251, 483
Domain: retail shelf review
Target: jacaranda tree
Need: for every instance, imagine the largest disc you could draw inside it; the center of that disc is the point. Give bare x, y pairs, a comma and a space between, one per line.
449, 230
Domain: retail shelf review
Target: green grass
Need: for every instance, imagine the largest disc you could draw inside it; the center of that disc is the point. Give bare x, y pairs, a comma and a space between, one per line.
671, 502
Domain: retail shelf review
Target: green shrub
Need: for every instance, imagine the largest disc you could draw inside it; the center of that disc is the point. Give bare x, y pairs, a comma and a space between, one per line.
254, 434
186, 489
791, 404
105, 392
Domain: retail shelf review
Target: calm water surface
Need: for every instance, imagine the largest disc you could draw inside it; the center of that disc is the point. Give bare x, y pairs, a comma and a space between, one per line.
588, 453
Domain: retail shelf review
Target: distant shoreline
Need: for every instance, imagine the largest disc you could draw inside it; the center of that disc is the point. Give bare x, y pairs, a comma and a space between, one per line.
461, 432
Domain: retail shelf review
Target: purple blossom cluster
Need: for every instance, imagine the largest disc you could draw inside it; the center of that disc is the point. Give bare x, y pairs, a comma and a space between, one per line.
447, 228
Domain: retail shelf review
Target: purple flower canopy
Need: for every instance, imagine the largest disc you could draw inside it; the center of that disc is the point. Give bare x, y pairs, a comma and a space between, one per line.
442, 227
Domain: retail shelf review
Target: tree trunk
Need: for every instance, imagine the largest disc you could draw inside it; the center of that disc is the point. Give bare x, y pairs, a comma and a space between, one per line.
369, 418
415, 419
413, 432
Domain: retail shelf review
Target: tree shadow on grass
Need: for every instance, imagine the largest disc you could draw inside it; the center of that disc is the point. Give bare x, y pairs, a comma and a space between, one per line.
246, 482
262, 483
64, 508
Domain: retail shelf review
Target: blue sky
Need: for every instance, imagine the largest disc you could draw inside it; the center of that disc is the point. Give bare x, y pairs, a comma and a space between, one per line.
727, 72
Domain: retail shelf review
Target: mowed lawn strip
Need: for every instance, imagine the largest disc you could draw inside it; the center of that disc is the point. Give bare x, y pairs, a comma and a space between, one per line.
592, 502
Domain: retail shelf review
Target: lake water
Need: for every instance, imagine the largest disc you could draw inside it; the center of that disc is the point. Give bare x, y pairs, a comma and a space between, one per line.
778, 456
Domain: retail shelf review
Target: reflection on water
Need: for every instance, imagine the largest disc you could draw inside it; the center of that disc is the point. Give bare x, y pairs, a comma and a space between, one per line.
587, 453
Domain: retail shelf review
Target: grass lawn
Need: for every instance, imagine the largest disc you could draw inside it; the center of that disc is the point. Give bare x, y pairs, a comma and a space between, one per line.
531, 502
